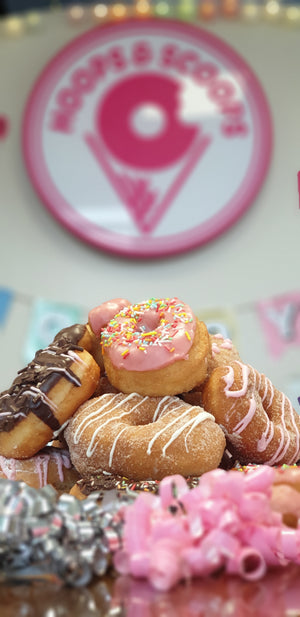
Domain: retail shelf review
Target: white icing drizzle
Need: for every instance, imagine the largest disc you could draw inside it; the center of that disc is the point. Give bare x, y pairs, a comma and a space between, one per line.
243, 423
101, 416
229, 380
43, 396
203, 415
111, 454
10, 467
266, 391
225, 343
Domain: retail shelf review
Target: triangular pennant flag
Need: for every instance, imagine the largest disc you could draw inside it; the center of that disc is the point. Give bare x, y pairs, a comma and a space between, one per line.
220, 321
280, 319
6, 298
47, 319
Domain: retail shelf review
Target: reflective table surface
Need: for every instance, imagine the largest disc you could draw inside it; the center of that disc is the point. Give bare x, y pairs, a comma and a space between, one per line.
276, 595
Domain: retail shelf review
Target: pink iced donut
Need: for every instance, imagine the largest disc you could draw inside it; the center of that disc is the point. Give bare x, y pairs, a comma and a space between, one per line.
156, 348
98, 318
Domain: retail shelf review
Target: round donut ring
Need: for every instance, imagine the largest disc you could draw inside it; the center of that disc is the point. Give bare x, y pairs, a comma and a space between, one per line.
156, 348
222, 352
46, 393
259, 421
143, 437
49, 466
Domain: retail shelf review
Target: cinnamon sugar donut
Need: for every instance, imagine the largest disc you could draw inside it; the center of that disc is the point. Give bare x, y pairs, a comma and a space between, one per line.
156, 348
223, 352
46, 393
49, 466
143, 437
260, 423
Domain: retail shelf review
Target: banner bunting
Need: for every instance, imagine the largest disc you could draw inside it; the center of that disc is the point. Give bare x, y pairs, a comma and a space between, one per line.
6, 298
280, 320
278, 316
47, 319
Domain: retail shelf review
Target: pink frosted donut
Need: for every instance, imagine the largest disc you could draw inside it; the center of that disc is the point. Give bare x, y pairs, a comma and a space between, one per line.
100, 315
155, 348
98, 318
50, 466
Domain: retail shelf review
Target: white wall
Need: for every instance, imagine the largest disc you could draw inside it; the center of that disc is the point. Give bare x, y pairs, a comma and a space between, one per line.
257, 258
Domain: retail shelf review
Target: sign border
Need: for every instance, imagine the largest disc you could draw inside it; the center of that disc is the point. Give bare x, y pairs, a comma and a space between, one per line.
144, 246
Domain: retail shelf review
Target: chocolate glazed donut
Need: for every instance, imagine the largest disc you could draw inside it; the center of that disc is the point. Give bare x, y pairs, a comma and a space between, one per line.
47, 392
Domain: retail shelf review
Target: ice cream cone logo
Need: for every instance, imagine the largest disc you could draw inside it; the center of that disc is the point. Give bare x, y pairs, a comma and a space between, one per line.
130, 158
147, 138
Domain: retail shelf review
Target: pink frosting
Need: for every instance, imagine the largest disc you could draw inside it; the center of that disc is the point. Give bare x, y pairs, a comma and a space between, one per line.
227, 522
150, 335
102, 314
11, 467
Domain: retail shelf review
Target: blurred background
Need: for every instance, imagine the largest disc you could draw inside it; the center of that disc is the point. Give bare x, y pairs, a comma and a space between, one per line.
243, 283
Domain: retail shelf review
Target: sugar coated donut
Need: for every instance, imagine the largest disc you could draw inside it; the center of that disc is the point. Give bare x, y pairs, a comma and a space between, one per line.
223, 352
259, 421
156, 348
46, 393
143, 437
49, 466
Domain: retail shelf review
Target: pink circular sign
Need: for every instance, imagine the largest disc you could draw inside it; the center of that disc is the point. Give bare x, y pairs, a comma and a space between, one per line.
147, 138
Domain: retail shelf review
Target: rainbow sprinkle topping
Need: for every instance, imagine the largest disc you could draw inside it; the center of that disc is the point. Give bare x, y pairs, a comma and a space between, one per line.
153, 322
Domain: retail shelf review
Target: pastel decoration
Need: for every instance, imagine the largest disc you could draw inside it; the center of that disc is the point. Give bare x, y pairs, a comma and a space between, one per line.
47, 319
227, 522
6, 298
280, 319
4, 127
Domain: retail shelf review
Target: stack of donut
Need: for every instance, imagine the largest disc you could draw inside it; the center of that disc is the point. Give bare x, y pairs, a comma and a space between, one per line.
140, 392
34, 410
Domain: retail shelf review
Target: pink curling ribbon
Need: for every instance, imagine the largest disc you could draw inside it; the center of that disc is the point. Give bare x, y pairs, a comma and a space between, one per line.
226, 522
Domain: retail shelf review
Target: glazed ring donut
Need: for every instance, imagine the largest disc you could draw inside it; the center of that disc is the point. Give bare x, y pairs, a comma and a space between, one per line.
156, 348
143, 437
50, 466
259, 421
46, 393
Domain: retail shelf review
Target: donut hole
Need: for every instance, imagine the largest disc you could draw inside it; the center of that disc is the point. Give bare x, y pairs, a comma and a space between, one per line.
150, 320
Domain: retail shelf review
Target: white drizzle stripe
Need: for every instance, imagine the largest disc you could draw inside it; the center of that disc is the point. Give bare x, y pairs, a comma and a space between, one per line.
229, 380
193, 422
266, 438
159, 413
94, 416
91, 449
8, 466
77, 358
276, 456
243, 423
295, 458
111, 454
167, 426
43, 396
